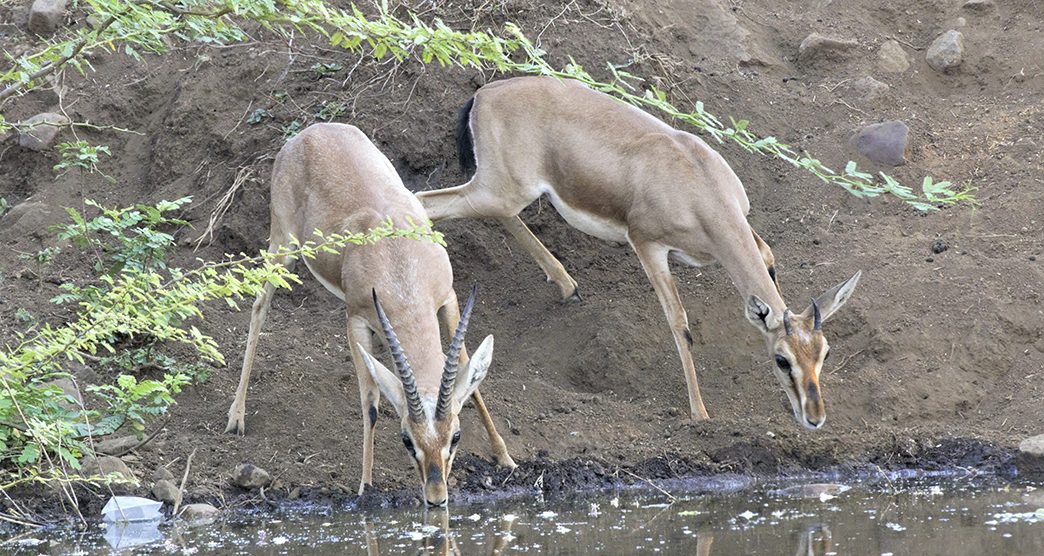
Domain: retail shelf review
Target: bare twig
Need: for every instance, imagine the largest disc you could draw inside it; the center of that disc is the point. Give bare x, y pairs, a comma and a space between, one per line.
184, 479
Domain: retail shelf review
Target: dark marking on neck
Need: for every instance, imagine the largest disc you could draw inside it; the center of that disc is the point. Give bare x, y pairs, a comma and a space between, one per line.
688, 337
772, 273
373, 415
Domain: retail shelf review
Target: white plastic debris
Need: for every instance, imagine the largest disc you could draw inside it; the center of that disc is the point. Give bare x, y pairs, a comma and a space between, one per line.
547, 515
125, 534
130, 508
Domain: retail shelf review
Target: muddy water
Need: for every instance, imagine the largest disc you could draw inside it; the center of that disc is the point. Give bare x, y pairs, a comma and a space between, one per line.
902, 517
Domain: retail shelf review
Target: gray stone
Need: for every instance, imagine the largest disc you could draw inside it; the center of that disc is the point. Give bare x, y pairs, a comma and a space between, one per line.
162, 473
103, 466
250, 476
946, 52
69, 389
29, 219
46, 15
868, 88
892, 58
978, 6
116, 446
883, 143
1030, 459
39, 132
818, 47
199, 512
165, 491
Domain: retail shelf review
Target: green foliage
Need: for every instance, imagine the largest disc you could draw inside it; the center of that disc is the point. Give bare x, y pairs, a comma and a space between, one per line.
258, 116
145, 302
82, 156
23, 316
325, 69
330, 110
4, 206
291, 129
137, 401
124, 238
144, 26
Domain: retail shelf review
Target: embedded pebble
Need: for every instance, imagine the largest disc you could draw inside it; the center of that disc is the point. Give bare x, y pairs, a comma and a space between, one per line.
946, 52
884, 143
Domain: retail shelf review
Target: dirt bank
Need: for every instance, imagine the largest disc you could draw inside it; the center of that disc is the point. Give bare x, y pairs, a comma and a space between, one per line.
938, 359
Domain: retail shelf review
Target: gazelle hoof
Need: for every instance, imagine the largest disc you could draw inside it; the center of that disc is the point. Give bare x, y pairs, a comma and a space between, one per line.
236, 425
505, 461
574, 298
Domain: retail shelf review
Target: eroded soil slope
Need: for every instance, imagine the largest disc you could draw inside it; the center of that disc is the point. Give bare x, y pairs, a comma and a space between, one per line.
933, 347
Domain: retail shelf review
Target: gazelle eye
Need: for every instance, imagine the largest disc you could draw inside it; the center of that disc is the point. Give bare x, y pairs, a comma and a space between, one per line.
782, 363
408, 443
827, 356
456, 438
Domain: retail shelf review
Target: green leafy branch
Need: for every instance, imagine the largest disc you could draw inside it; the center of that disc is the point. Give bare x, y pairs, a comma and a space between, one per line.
144, 25
40, 421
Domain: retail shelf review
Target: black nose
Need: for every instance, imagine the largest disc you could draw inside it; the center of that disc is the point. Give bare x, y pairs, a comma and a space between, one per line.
435, 504
812, 423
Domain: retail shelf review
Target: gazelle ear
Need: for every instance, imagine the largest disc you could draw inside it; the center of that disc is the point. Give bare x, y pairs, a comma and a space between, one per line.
387, 382
834, 298
478, 367
761, 315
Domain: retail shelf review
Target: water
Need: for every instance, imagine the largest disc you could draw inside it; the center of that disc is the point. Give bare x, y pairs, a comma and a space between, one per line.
904, 517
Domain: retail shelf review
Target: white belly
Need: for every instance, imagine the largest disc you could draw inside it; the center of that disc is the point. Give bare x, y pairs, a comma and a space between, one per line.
591, 224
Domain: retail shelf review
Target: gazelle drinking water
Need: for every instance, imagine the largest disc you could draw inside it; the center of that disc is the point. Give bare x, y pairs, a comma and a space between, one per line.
617, 173
331, 178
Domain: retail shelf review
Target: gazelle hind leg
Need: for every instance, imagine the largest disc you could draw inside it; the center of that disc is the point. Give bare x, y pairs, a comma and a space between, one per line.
369, 395
478, 199
450, 315
548, 263
770, 260
654, 260
258, 313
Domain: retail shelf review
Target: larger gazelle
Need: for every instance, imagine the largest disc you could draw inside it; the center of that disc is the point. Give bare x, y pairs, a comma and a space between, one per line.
330, 177
617, 173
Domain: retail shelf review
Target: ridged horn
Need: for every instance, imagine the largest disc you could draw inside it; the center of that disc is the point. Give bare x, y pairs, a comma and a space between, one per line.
786, 321
817, 320
449, 373
402, 365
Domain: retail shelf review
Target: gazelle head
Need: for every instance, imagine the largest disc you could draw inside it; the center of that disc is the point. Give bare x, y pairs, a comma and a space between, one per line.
429, 423
799, 348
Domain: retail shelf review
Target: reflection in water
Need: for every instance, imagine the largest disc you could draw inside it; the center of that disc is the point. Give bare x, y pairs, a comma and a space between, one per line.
940, 518
440, 541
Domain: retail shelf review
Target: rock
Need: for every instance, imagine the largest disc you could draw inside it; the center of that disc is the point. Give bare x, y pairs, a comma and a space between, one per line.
194, 512
892, 58
102, 466
946, 51
868, 88
40, 131
978, 6
46, 15
162, 474
883, 143
818, 47
939, 246
249, 476
116, 446
1030, 459
69, 389
165, 491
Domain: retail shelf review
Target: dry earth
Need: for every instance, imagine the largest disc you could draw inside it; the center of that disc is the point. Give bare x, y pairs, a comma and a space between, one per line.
938, 359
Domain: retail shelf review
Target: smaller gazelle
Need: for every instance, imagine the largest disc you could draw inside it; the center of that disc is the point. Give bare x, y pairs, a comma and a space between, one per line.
331, 178
619, 174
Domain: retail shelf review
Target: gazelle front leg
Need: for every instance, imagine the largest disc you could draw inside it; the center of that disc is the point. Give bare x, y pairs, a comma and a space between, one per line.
450, 315
770, 260
258, 313
369, 394
654, 260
